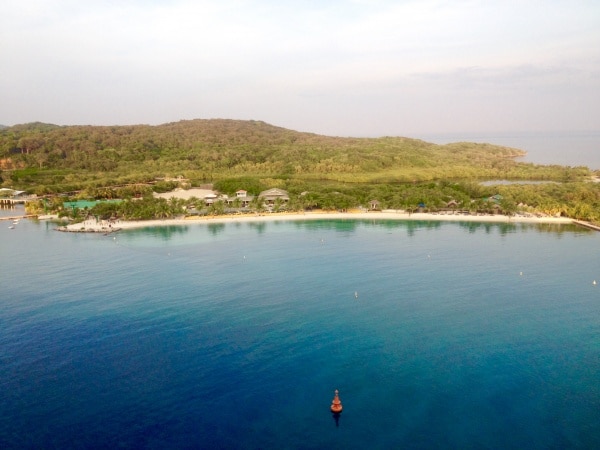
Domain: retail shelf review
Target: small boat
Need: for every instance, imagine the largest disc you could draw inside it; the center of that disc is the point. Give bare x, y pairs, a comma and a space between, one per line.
12, 227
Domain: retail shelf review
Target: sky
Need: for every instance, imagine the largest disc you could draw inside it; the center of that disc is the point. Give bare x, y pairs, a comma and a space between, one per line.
340, 67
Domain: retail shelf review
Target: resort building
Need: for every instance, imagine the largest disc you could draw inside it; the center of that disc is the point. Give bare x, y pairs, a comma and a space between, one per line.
270, 196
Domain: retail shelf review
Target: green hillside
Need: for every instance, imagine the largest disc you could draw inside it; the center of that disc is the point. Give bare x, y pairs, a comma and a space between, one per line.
124, 162
50, 158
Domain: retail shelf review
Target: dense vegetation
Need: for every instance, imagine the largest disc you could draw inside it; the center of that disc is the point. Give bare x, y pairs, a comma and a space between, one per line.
331, 172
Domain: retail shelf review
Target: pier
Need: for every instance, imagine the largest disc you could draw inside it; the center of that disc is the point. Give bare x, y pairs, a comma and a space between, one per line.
11, 202
26, 216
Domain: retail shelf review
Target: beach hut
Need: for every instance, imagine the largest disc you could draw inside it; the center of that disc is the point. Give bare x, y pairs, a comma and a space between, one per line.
374, 205
271, 195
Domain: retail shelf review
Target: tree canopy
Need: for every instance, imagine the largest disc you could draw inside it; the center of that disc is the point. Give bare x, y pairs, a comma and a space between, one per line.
51, 158
320, 171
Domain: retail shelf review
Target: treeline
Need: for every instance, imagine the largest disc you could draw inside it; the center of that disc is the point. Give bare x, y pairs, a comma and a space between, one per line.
319, 171
45, 158
578, 200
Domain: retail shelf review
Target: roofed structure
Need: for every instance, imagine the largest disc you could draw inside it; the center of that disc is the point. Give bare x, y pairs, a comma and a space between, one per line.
271, 195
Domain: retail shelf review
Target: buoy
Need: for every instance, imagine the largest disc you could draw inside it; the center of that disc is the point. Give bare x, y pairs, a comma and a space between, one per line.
336, 404
594, 283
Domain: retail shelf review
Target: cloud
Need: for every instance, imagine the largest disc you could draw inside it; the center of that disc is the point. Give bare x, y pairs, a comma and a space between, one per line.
299, 64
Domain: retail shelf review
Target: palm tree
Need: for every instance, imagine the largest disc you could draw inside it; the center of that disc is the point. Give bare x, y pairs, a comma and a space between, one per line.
277, 204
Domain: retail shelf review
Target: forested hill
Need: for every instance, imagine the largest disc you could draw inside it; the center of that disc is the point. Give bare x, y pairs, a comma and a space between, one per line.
209, 150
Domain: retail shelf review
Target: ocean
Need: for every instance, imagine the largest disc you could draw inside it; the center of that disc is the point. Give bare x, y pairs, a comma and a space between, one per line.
577, 148
235, 336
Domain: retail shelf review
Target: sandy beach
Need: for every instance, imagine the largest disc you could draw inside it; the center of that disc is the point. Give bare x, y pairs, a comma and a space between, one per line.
91, 225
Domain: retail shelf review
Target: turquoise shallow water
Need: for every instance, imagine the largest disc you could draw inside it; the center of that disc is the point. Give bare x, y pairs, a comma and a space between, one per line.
235, 336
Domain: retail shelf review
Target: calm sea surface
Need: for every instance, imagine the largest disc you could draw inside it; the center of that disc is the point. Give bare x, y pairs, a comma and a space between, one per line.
581, 148
235, 336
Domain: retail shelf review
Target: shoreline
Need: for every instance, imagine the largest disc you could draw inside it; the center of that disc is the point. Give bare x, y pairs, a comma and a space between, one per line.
91, 226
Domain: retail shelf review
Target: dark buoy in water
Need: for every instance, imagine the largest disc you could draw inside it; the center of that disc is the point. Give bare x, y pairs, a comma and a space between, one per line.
336, 404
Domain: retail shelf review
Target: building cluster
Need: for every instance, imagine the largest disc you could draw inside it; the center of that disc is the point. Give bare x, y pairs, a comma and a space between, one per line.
268, 198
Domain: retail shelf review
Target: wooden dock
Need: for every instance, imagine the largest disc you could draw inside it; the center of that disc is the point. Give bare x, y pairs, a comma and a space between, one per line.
27, 216
11, 202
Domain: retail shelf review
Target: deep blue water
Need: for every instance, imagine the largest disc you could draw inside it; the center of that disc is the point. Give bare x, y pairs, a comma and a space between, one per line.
235, 336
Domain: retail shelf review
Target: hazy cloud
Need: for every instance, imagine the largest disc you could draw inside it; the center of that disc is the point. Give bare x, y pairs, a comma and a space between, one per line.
336, 67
